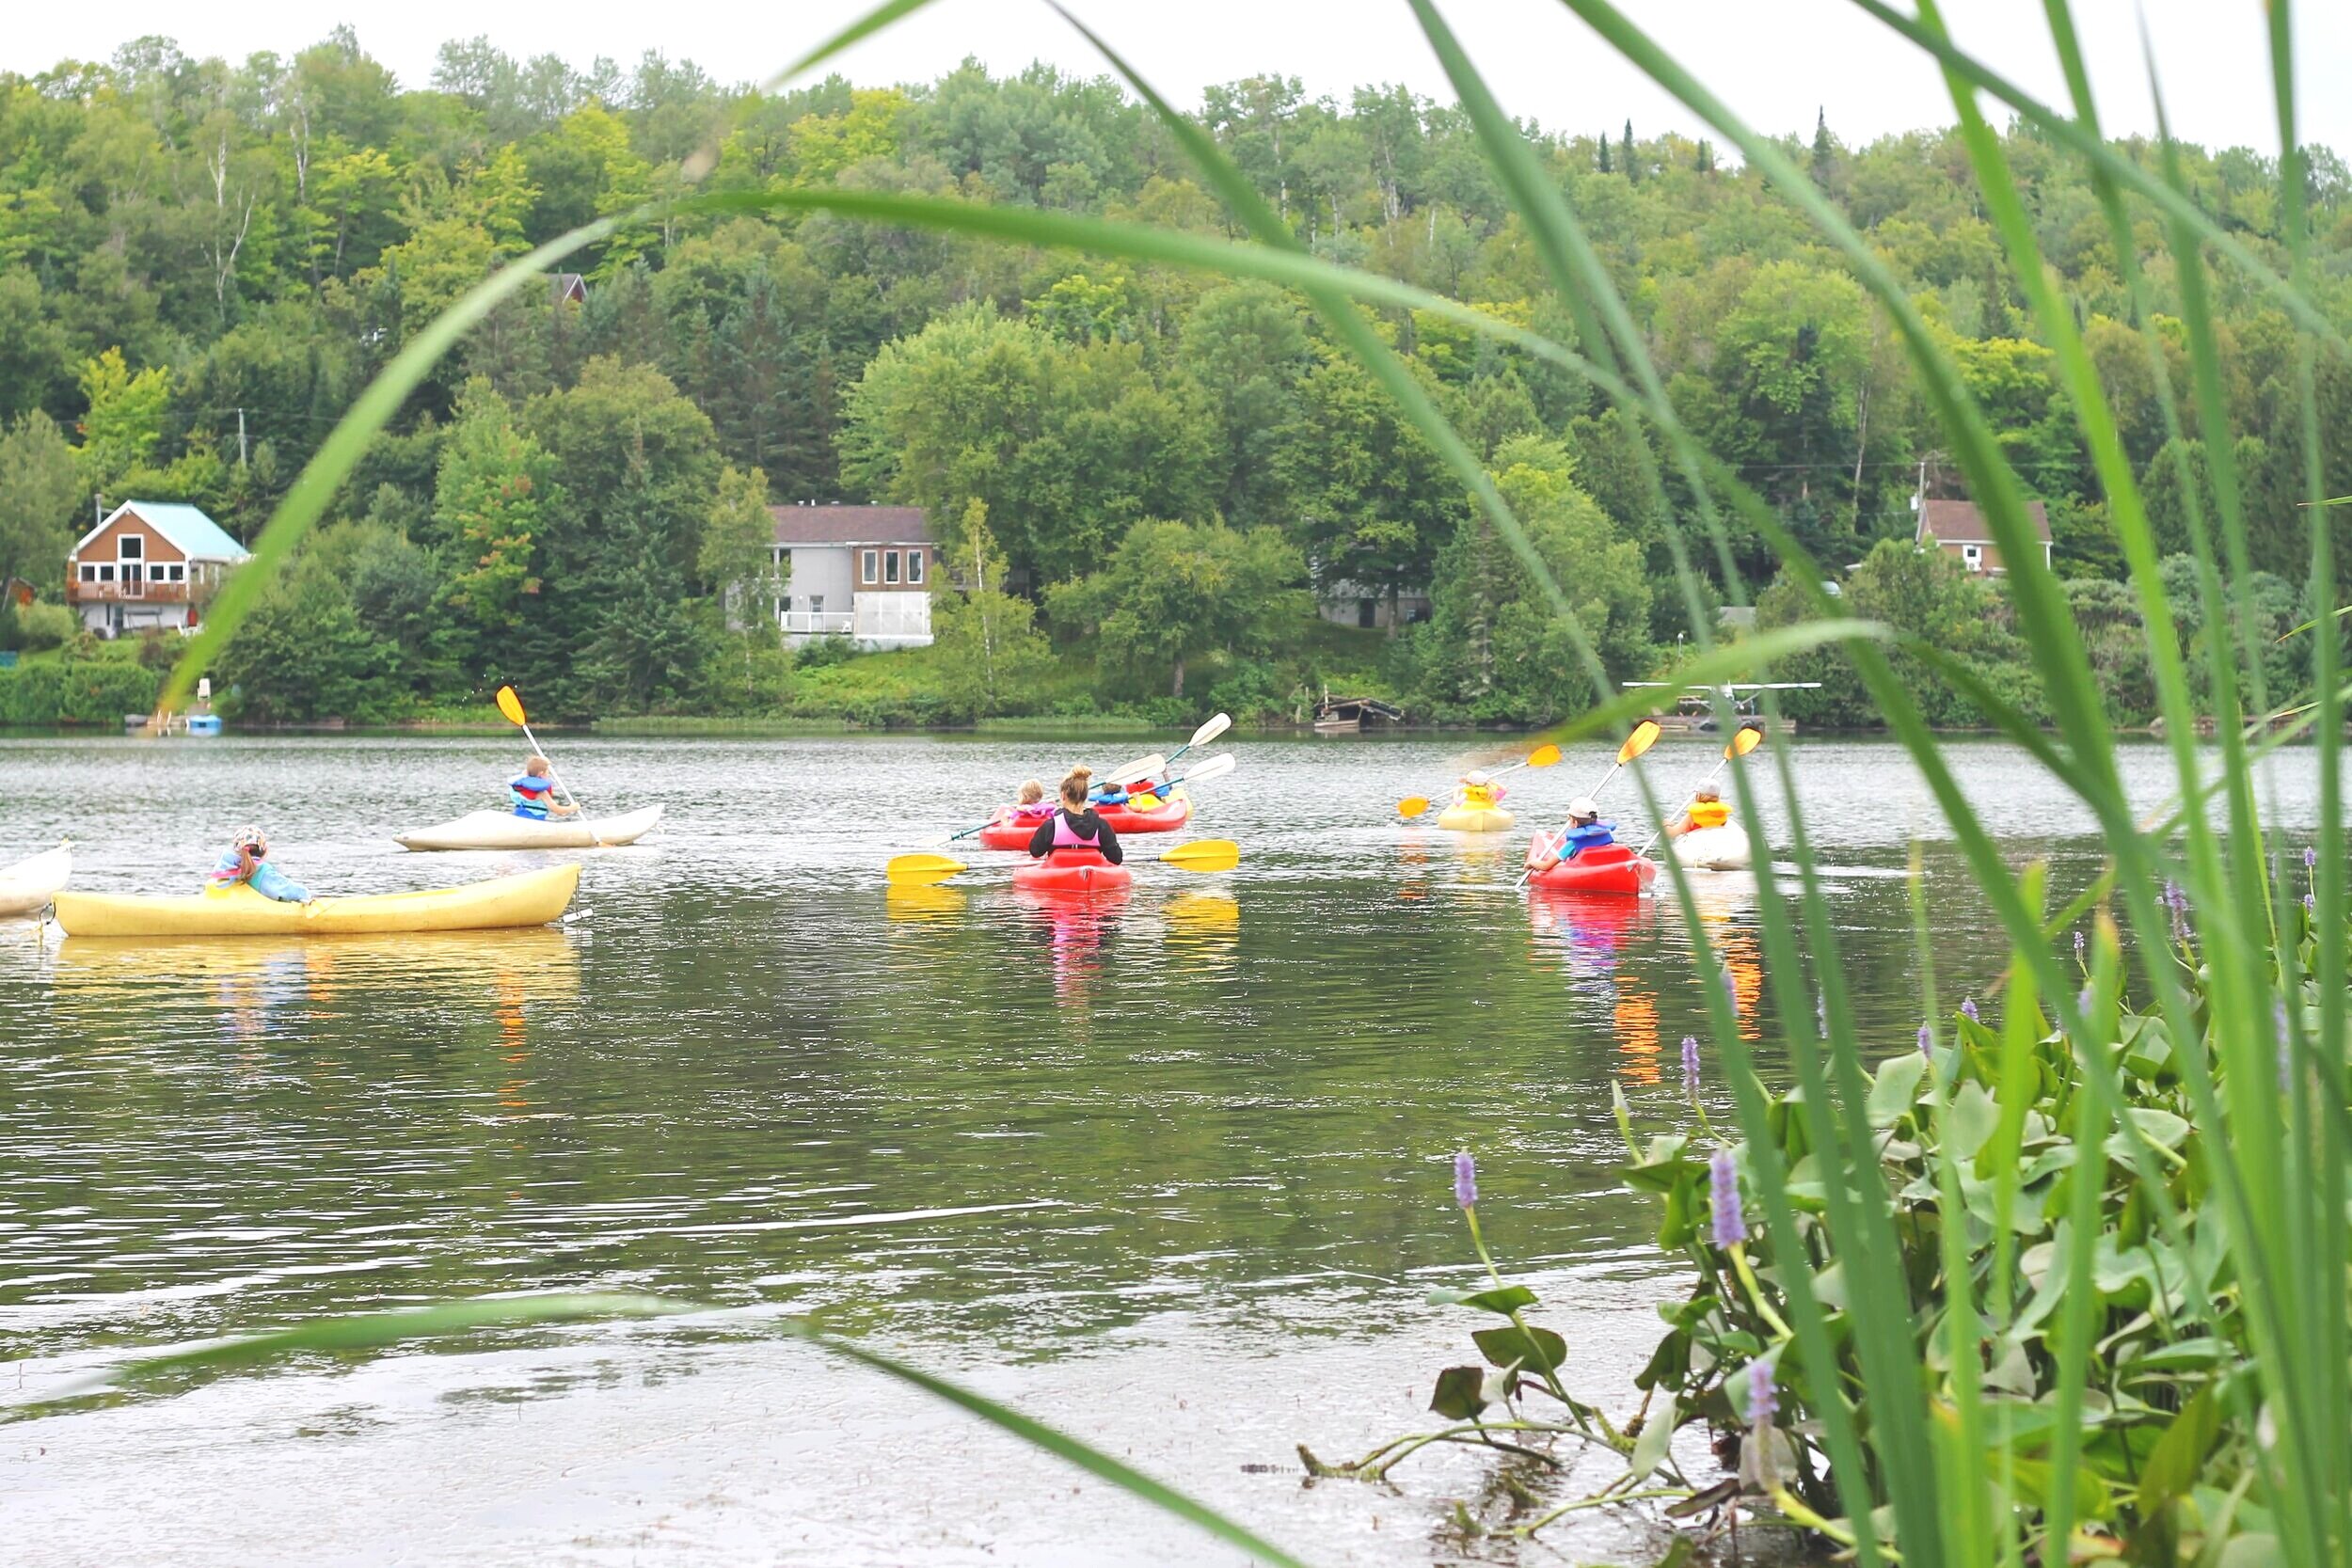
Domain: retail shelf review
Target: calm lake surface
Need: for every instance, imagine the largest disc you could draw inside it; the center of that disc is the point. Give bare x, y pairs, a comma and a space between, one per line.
1172, 1174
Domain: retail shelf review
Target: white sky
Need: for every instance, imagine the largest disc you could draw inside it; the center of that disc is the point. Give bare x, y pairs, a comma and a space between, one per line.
1773, 60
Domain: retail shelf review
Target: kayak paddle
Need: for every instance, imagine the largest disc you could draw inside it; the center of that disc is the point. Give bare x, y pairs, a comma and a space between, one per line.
1142, 768
1217, 724
920, 870
1215, 767
1204, 854
1542, 756
1741, 744
1645, 736
512, 706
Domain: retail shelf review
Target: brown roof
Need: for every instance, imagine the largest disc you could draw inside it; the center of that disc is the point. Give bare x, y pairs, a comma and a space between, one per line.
1961, 523
830, 524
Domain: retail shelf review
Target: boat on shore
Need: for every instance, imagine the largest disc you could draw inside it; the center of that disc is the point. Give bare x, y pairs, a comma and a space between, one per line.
27, 887
503, 830
532, 898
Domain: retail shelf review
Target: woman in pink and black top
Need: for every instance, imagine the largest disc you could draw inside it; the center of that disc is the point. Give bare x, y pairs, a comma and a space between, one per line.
1076, 827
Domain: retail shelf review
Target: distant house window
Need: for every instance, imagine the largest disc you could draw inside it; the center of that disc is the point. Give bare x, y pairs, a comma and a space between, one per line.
105, 571
867, 566
89, 572
1972, 556
890, 565
130, 546
1367, 613
179, 572
815, 604
915, 566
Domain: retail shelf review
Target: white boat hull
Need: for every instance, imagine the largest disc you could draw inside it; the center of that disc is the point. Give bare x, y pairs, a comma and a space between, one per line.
1724, 849
27, 887
502, 830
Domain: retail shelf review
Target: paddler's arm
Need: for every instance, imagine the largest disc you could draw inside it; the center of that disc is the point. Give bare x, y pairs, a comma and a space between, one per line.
1041, 841
1108, 840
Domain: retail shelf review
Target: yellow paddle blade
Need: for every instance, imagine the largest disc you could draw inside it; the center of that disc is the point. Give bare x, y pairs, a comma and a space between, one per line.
1645, 736
1205, 854
510, 705
916, 870
1745, 741
1543, 756
1413, 806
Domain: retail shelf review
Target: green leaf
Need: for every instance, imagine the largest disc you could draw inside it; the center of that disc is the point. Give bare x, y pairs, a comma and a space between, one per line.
2173, 1463
1970, 1123
1534, 1347
2253, 1550
1460, 1394
1657, 1439
1895, 1088
1504, 1299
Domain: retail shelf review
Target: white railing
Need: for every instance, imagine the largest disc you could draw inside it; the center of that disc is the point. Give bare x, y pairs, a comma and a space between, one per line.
809, 623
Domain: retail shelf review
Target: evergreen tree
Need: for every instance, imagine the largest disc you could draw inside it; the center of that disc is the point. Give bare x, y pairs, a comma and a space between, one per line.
1632, 168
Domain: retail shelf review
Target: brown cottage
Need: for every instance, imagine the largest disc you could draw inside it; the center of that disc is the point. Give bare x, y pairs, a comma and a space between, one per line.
1958, 528
148, 566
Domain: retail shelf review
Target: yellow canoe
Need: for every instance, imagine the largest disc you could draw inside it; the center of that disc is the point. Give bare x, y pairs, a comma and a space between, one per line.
533, 899
1476, 819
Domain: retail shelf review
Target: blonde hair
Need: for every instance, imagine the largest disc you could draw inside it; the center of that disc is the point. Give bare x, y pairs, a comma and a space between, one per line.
1032, 792
1708, 792
1075, 784
538, 767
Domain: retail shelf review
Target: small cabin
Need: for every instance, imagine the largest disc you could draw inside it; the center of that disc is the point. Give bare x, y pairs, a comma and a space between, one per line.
860, 571
149, 566
1958, 529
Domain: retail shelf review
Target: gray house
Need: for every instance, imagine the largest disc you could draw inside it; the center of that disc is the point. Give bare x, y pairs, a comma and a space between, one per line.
860, 571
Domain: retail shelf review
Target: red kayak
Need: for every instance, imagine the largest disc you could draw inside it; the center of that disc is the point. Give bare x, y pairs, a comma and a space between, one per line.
1002, 834
1606, 868
1165, 817
1075, 870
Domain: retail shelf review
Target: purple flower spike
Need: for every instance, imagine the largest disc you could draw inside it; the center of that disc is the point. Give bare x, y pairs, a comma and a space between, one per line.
2310, 905
1927, 1041
1465, 1180
2078, 946
1968, 1008
1723, 1199
1763, 1396
1690, 1061
2311, 860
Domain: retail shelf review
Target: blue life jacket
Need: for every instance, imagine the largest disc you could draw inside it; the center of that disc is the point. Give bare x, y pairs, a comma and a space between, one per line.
530, 795
1591, 836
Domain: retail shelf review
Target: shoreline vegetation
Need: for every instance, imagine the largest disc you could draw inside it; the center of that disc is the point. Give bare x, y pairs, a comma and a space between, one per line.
2066, 1278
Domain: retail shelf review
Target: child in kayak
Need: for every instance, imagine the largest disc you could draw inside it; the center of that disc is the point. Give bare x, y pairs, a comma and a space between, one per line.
247, 861
1076, 825
1585, 830
533, 794
1031, 807
1706, 810
1478, 792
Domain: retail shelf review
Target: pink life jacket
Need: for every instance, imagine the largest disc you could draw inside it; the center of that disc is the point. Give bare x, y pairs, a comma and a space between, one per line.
1068, 837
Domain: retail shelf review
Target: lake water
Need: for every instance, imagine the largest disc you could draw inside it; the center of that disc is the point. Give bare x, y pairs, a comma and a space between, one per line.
1172, 1174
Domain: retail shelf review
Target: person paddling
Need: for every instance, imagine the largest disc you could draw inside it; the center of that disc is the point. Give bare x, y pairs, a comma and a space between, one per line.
247, 861
1030, 807
1585, 830
1477, 791
533, 794
1706, 810
1076, 825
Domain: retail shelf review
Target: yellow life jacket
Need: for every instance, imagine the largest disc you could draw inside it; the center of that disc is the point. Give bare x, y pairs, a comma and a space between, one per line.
1709, 814
1479, 796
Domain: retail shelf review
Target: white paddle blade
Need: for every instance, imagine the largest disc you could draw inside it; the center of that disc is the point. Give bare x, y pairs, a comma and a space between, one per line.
1142, 768
1215, 767
1217, 725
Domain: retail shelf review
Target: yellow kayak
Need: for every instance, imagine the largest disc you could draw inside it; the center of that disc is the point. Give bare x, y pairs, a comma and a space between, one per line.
533, 899
1476, 819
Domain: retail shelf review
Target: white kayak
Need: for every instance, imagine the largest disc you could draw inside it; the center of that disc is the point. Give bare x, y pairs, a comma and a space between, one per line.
503, 830
1724, 849
27, 887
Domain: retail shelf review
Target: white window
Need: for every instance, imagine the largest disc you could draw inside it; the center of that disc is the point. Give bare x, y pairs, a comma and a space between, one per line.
130, 546
105, 571
915, 566
157, 572
890, 565
815, 604
867, 566
89, 571
1972, 556
179, 572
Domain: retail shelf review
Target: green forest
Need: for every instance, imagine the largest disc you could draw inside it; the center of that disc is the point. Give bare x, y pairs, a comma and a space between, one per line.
1141, 476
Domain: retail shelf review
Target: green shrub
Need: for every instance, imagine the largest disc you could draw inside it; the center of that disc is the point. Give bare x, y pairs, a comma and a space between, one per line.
76, 691
42, 626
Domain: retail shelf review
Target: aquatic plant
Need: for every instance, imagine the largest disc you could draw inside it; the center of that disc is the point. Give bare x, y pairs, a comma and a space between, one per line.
1896, 1279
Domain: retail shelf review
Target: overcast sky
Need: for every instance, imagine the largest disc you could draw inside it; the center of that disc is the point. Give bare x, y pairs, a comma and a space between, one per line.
1774, 60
